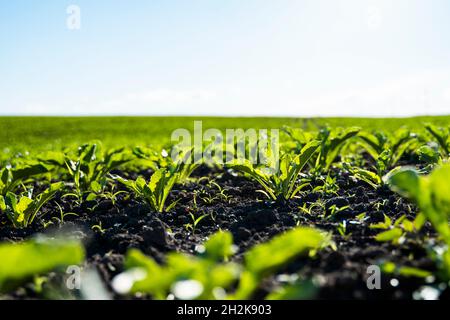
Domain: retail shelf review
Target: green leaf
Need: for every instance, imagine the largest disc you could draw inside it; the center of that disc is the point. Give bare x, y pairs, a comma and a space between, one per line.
413, 272
405, 181
219, 246
303, 290
157, 176
23, 212
367, 176
372, 143
440, 135
269, 256
2, 203
140, 183
5, 177
337, 143
11, 201
91, 197
23, 204
53, 157
382, 225
147, 276
242, 166
128, 183
88, 152
21, 261
383, 161
390, 235
306, 153
408, 226
439, 185
401, 149
28, 171
419, 221
155, 192
405, 271
96, 187
428, 154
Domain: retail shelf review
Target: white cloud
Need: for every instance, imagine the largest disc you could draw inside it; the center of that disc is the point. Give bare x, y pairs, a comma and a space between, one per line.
410, 95
418, 94
158, 101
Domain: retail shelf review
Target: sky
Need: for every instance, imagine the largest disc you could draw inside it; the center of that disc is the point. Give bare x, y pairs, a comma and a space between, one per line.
225, 57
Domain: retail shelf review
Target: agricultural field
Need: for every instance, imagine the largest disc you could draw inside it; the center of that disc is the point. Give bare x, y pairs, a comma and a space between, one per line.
95, 208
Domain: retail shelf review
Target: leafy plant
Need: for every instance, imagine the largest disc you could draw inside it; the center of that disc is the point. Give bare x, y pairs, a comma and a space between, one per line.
430, 154
342, 229
332, 142
183, 276
309, 209
441, 135
90, 169
98, 227
152, 158
180, 157
22, 261
373, 178
11, 178
300, 290
404, 271
432, 195
430, 192
62, 214
265, 259
393, 146
210, 275
395, 231
297, 138
216, 193
185, 161
22, 210
192, 226
156, 191
112, 195
279, 185
329, 185
334, 211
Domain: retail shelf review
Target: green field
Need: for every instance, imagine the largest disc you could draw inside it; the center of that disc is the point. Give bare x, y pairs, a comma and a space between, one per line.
46, 133
341, 200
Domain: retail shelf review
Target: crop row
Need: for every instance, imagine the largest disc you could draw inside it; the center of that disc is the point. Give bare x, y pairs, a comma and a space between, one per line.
411, 164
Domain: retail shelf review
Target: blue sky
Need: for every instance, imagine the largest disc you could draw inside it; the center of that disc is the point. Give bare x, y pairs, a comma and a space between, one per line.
228, 57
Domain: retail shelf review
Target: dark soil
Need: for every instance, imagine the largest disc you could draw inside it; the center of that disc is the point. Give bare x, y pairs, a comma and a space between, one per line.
340, 274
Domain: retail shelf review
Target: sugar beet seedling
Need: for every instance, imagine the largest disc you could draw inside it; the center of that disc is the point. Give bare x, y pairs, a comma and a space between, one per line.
89, 171
157, 189
279, 185
391, 147
432, 194
212, 274
22, 210
441, 135
11, 178
331, 144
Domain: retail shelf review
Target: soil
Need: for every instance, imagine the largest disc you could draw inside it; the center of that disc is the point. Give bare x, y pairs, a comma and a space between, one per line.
339, 274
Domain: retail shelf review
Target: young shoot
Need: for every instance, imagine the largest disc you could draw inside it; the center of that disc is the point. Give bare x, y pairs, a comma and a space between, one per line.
22, 210
279, 185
